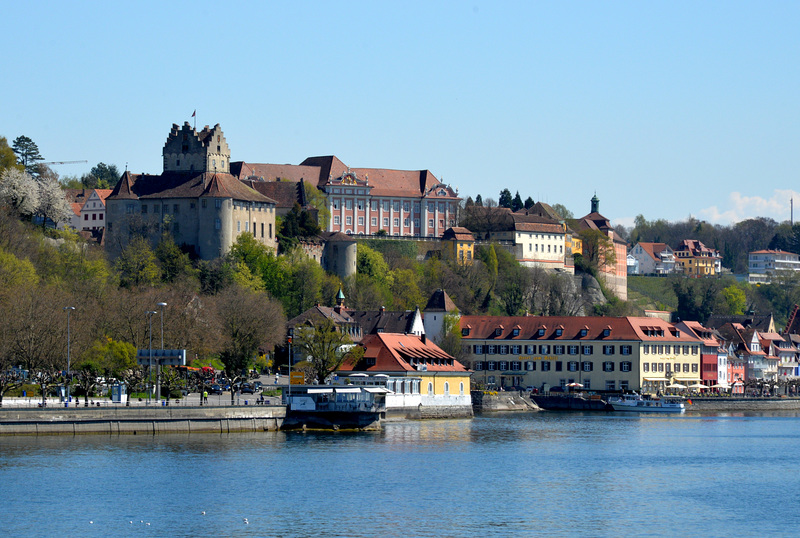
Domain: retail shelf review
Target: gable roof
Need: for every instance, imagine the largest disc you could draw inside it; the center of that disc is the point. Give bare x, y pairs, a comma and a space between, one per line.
397, 352
184, 185
761, 322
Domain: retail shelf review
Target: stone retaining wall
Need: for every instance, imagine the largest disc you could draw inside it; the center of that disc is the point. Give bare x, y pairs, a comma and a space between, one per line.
502, 401
744, 404
140, 421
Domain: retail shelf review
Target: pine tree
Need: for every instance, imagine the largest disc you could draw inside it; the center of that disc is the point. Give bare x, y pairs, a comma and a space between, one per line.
529, 203
27, 154
505, 198
516, 203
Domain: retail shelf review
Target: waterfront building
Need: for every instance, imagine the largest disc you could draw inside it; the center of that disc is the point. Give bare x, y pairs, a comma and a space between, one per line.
439, 381
759, 364
710, 364
600, 353
764, 265
195, 199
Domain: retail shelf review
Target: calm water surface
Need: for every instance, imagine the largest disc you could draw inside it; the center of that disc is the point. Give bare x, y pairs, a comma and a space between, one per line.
499, 475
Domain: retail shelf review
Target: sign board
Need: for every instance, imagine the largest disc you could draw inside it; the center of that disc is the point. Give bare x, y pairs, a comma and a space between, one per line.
163, 357
297, 378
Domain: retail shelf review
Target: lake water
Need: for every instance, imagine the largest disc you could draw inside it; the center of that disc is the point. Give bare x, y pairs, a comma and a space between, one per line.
497, 475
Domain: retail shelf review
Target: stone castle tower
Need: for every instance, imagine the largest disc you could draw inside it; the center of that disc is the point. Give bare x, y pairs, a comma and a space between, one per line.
188, 150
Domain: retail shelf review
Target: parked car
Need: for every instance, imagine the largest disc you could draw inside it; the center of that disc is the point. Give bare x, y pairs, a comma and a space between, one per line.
247, 388
257, 386
215, 389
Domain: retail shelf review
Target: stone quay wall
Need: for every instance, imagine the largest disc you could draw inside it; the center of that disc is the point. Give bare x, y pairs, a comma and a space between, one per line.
140, 421
483, 402
744, 404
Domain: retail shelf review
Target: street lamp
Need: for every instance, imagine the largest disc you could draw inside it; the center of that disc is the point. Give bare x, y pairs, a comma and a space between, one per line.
150, 362
289, 386
158, 377
69, 310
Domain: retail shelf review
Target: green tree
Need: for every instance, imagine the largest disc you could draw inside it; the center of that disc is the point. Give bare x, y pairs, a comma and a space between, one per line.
450, 339
27, 154
324, 347
8, 158
371, 263
598, 251
174, 263
136, 264
735, 299
529, 203
101, 176
479, 200
316, 199
505, 198
516, 203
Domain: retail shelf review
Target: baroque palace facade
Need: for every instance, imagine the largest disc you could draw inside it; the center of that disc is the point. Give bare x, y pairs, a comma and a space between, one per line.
600, 353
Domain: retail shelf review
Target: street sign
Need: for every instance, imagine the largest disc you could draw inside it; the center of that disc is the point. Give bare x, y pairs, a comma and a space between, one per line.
163, 357
297, 378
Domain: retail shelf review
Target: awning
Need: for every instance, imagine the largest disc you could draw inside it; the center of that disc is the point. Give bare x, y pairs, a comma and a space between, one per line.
348, 390
655, 379
320, 391
377, 390
692, 379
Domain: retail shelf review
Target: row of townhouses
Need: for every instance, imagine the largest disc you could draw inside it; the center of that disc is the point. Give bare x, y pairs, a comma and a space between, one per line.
691, 257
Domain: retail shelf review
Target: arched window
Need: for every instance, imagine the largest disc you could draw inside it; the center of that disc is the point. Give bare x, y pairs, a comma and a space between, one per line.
446, 388
430, 388
461, 388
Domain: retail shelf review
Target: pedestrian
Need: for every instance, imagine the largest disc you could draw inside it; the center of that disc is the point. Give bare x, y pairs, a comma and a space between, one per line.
205, 396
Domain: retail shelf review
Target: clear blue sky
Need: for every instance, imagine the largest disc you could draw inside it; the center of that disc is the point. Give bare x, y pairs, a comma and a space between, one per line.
666, 109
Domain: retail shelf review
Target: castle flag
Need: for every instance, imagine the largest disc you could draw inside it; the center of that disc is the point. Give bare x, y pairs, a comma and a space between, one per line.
194, 114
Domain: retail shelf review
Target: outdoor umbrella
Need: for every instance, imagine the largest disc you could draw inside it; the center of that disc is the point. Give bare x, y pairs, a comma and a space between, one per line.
698, 386
676, 386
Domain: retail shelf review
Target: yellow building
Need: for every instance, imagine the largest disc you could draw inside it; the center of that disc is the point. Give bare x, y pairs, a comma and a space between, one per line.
460, 244
696, 259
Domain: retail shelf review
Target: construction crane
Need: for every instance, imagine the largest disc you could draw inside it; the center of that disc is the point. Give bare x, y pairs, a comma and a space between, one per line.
62, 162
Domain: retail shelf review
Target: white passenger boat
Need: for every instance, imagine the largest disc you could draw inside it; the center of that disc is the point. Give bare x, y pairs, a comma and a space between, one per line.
635, 402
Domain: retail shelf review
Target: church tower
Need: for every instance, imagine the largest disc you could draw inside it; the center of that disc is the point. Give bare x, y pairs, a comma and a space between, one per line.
188, 150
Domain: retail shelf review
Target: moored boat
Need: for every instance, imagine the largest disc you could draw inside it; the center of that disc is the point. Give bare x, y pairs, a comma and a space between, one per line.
635, 402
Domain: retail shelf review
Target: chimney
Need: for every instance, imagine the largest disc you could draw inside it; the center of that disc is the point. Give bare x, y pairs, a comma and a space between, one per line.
423, 338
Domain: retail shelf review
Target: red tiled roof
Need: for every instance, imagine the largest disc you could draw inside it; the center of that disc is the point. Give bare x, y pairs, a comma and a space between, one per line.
394, 352
459, 233
183, 185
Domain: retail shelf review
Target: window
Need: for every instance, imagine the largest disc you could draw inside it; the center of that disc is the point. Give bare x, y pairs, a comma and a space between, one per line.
217, 224
361, 205
530, 366
373, 221
348, 204
588, 350
129, 208
503, 365
545, 366
606, 332
86, 216
584, 332
203, 203
218, 203
544, 349
645, 366
478, 350
430, 223
336, 220
238, 226
559, 332
686, 367
516, 350
608, 366
348, 220
610, 385
477, 366
336, 204
530, 350
176, 208
559, 366
660, 366
587, 366
572, 366
406, 206
492, 350
608, 350
540, 332
645, 349
516, 366
504, 350
406, 222
386, 205
694, 368
491, 366
626, 350
373, 205
396, 222
247, 226
396, 206
430, 388
386, 222
416, 223
625, 366
654, 366
572, 350
558, 350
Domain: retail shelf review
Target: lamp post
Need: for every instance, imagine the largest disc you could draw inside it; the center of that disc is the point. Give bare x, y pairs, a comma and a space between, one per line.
150, 347
69, 310
289, 386
158, 376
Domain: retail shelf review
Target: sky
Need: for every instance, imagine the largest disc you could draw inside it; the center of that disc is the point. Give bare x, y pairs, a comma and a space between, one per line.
664, 109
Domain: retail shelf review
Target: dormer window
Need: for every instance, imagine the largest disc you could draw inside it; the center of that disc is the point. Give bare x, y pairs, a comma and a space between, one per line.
515, 332
498, 331
559, 331
606, 332
465, 331
584, 332
541, 332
